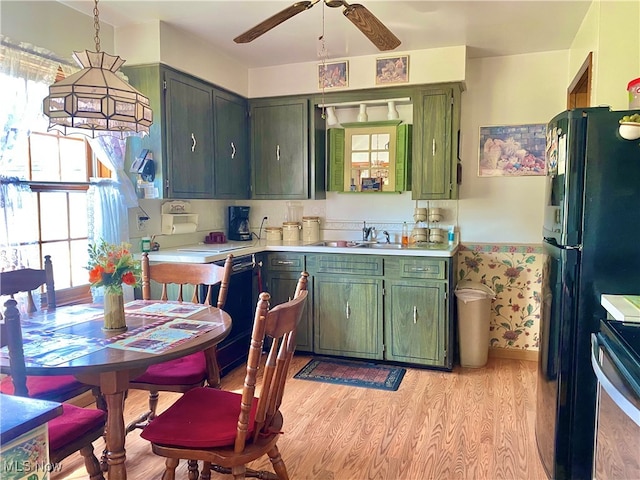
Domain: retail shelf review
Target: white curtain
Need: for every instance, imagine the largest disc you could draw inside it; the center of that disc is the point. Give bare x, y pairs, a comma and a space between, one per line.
18, 238
109, 199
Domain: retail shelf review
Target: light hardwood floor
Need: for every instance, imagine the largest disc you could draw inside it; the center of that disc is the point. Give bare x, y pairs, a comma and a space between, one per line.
466, 424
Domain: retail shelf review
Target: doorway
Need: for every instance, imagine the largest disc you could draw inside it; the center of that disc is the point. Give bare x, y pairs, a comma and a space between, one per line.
579, 92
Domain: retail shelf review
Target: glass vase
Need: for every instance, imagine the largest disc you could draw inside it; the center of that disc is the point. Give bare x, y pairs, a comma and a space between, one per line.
114, 319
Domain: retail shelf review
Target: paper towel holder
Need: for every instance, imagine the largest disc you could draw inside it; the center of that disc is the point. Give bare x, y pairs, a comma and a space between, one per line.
176, 215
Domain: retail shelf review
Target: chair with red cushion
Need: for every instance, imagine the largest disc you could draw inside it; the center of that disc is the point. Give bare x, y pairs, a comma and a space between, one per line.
182, 374
74, 430
56, 388
224, 429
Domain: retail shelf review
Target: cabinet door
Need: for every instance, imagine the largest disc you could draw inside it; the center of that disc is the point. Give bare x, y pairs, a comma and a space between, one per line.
281, 286
432, 163
231, 162
189, 119
348, 318
415, 322
279, 150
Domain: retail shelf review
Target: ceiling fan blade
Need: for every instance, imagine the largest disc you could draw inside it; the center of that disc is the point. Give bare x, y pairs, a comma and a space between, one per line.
373, 28
273, 21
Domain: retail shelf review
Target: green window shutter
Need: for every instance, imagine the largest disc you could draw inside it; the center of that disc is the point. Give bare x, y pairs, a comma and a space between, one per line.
403, 158
336, 160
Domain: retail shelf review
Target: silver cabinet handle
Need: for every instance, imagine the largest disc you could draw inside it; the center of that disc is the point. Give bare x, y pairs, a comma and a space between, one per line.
278, 152
193, 142
420, 269
233, 150
433, 147
348, 311
415, 314
282, 262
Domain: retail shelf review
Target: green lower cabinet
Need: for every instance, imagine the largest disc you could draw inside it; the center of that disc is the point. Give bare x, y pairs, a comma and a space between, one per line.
281, 286
415, 320
347, 320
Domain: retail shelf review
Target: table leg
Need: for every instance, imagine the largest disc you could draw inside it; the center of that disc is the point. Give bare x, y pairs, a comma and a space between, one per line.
115, 436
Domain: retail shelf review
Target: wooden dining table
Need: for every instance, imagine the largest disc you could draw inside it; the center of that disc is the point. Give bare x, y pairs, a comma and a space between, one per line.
72, 341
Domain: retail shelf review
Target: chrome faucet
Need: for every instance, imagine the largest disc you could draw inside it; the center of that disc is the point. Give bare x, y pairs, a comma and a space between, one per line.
366, 231
386, 235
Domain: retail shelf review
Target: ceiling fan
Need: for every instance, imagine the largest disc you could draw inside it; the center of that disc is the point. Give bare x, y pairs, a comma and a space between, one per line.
362, 18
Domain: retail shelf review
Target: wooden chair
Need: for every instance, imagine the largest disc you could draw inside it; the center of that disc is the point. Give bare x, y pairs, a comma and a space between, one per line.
76, 428
194, 370
224, 429
56, 388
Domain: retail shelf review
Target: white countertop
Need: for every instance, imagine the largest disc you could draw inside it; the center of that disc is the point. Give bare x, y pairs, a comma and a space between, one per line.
207, 253
620, 308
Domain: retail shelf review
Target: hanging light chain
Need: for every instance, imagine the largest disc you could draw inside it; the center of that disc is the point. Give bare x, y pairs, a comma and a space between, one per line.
96, 25
323, 54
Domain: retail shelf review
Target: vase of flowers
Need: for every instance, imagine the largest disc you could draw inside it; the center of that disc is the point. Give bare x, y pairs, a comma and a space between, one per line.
111, 266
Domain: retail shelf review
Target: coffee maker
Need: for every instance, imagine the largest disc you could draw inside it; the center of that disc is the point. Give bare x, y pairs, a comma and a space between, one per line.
239, 223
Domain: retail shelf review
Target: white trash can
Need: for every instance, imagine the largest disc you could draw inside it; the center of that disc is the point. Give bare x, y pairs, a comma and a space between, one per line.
474, 314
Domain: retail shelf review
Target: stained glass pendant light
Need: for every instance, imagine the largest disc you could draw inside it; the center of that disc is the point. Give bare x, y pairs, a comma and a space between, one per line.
95, 101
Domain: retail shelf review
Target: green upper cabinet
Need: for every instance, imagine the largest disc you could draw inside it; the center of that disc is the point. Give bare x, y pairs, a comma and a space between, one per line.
189, 118
231, 136
436, 114
199, 136
380, 150
282, 163
181, 137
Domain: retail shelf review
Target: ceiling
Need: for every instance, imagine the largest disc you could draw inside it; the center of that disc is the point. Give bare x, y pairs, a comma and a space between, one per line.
487, 28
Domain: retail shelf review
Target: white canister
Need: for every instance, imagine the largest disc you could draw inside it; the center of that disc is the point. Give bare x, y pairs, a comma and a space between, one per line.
419, 235
310, 229
290, 232
436, 235
274, 234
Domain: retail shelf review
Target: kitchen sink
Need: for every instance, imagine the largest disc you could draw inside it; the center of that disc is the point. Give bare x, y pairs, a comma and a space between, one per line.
386, 246
339, 244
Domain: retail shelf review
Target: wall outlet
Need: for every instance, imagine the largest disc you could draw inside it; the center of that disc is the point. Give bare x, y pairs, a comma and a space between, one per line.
142, 223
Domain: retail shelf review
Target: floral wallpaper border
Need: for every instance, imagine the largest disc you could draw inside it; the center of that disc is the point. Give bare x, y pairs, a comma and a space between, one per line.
514, 273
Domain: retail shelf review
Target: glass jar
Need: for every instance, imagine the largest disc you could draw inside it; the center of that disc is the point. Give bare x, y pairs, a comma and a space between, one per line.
310, 229
274, 234
290, 232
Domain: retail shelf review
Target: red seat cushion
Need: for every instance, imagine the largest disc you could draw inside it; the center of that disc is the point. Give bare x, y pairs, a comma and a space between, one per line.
186, 370
73, 423
201, 418
45, 386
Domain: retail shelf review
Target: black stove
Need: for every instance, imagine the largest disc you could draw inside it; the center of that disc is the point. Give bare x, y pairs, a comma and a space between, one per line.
623, 342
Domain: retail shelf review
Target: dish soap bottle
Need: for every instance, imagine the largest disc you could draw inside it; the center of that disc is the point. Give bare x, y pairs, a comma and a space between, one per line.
405, 234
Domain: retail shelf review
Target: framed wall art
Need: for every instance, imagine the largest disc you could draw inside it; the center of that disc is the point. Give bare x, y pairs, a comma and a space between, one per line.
392, 70
332, 75
512, 150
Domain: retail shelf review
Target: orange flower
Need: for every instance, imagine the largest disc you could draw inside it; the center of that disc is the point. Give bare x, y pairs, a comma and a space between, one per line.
110, 267
95, 275
129, 279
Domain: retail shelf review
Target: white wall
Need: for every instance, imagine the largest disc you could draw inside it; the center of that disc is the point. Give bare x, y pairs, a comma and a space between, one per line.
513, 90
425, 66
160, 42
53, 26
610, 29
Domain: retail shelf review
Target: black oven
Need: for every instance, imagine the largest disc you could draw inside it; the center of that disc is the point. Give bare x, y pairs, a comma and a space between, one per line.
616, 363
240, 305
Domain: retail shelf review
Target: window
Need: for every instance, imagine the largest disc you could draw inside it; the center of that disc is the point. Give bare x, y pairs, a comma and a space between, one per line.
57, 169
369, 153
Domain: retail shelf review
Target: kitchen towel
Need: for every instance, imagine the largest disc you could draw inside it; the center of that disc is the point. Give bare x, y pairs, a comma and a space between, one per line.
186, 227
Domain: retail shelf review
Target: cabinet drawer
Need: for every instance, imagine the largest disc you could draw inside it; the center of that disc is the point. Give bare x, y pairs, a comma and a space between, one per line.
347, 264
410, 267
286, 261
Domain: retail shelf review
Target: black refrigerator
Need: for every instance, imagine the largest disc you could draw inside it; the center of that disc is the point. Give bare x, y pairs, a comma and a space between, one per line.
591, 239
